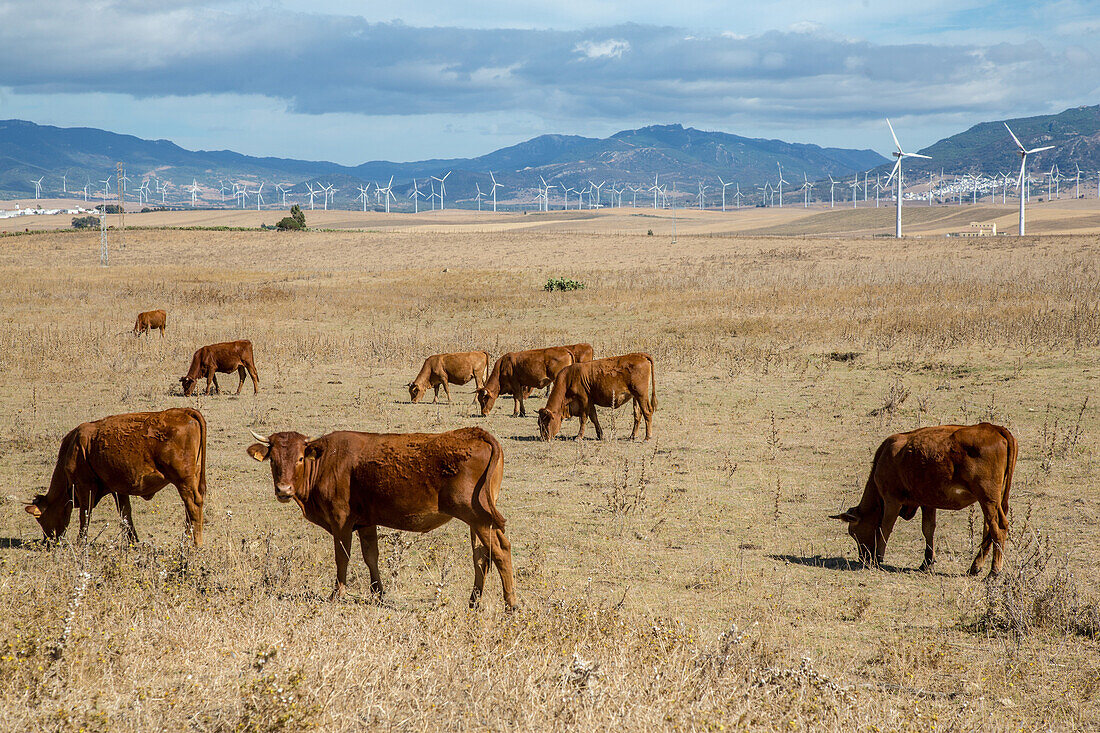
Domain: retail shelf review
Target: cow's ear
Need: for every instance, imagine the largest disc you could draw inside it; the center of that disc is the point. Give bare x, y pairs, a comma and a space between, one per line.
852, 515
313, 451
33, 510
259, 451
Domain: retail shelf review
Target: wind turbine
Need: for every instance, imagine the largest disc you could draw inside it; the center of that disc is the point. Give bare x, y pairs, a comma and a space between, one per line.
416, 196
106, 190
855, 189
724, 187
1077, 190
65, 184
363, 195
37, 189
832, 197
279, 188
737, 196
599, 202
900, 155
493, 190
442, 190
655, 189
194, 190
258, 193
781, 182
702, 195
807, 189
330, 192
387, 193
162, 189
312, 192
480, 194
1023, 153
85, 192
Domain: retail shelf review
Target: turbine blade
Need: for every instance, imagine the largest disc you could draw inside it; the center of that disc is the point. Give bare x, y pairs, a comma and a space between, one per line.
1038, 150
893, 135
897, 165
1019, 144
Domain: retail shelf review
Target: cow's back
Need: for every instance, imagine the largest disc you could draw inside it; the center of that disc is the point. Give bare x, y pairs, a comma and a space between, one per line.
122, 449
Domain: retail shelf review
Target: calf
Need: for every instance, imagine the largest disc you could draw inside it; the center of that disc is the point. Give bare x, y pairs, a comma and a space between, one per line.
150, 320
347, 482
518, 372
580, 388
941, 467
228, 357
441, 369
136, 454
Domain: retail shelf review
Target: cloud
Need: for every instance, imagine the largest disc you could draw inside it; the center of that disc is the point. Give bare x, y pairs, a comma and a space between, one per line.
609, 49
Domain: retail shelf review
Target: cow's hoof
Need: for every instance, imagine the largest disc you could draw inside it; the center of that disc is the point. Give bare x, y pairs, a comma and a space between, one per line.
925, 567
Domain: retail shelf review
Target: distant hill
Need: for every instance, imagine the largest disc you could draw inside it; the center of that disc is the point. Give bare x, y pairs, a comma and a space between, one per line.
680, 156
987, 147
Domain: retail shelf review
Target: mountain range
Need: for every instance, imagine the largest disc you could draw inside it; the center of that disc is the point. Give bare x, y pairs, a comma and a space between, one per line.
680, 156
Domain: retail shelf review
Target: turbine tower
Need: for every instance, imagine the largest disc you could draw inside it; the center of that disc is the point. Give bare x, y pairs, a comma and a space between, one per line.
442, 190
363, 195
724, 187
258, 193
1020, 183
387, 193
37, 189
832, 197
415, 195
901, 155
493, 190
781, 182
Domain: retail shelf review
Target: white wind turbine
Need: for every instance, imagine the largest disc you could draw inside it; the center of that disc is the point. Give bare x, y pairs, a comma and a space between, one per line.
222, 188
415, 195
106, 188
65, 182
85, 192
363, 195
442, 190
258, 193
702, 196
1020, 183
855, 189
493, 190
655, 189
281, 189
330, 193
312, 192
738, 195
387, 194
724, 187
162, 189
1077, 190
480, 194
194, 191
832, 197
37, 189
599, 198
781, 182
901, 155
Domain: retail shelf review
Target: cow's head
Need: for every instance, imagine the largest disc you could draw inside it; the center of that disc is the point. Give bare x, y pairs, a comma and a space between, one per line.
188, 385
52, 516
486, 399
415, 391
549, 424
864, 530
288, 454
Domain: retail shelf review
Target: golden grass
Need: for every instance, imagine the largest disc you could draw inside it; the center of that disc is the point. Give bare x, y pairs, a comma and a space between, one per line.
634, 561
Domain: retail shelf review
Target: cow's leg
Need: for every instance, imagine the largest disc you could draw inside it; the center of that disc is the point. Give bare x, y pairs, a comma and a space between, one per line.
368, 541
500, 550
890, 512
928, 527
436, 398
994, 535
192, 495
636, 407
212, 379
595, 422
240, 375
517, 400
255, 376
446, 391
122, 501
583, 419
85, 499
162, 331
341, 543
646, 407
481, 565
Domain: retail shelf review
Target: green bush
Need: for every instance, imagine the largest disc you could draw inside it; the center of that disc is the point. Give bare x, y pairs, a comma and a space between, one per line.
296, 220
562, 284
85, 222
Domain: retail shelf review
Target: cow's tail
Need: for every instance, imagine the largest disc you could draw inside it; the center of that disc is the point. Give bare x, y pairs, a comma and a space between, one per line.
1010, 465
486, 492
652, 383
202, 448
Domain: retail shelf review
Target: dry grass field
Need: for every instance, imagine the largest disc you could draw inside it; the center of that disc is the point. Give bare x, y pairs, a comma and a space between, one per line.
694, 582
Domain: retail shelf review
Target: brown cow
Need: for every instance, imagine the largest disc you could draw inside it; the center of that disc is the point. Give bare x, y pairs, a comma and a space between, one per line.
518, 372
228, 357
609, 382
459, 369
136, 454
348, 482
942, 467
581, 352
150, 320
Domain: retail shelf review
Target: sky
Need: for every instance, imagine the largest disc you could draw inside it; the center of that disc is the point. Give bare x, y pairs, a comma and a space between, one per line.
354, 80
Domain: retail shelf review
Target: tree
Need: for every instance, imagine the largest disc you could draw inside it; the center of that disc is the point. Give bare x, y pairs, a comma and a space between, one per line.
85, 222
296, 220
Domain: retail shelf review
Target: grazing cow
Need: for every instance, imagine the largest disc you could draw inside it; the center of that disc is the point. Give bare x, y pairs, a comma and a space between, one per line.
135, 454
228, 357
942, 467
580, 388
348, 482
150, 320
581, 352
459, 369
518, 372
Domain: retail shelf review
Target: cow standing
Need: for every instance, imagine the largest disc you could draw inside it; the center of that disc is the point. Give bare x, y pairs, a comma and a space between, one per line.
941, 467
581, 388
228, 357
518, 372
441, 369
135, 454
347, 482
150, 321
